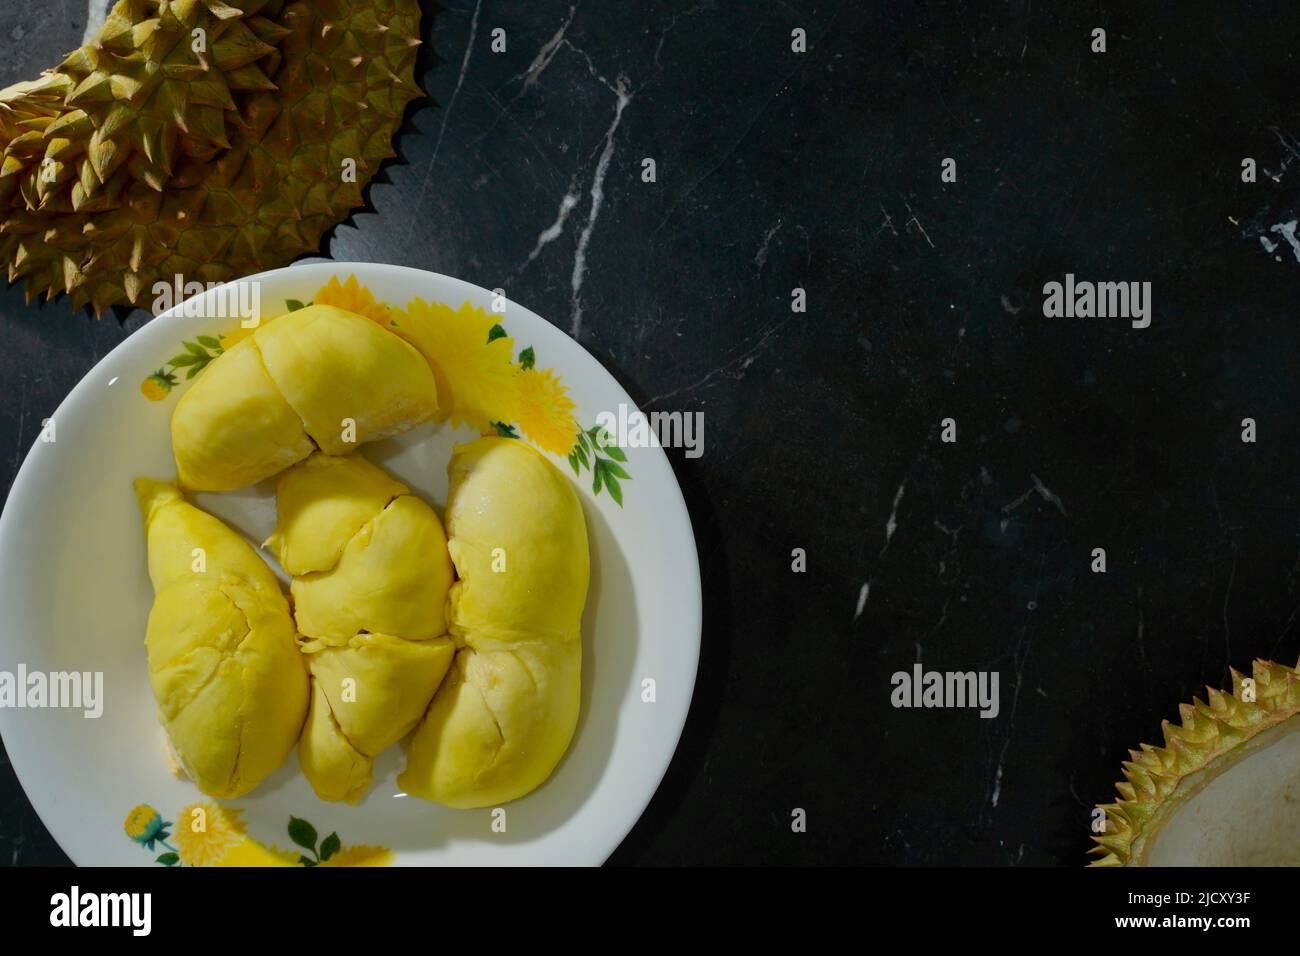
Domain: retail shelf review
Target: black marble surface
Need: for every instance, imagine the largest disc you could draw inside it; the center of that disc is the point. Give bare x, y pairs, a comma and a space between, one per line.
778, 170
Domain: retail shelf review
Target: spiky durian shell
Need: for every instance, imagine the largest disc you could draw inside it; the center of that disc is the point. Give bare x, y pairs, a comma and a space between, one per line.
343, 76
1155, 779
160, 79
26, 111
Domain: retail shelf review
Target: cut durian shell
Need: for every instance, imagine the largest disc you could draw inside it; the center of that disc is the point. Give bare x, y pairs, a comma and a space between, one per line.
1224, 790
343, 72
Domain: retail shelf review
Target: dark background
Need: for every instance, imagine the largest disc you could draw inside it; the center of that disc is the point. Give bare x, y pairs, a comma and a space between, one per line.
821, 171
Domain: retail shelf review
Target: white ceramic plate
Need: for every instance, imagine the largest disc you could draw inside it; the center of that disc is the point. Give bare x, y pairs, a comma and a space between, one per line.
75, 596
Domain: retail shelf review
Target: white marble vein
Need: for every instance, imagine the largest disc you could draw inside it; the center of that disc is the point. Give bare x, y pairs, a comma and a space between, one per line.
1047, 494
760, 258
545, 55
1019, 655
555, 229
891, 525
744, 360
1287, 231
597, 200
446, 115
863, 594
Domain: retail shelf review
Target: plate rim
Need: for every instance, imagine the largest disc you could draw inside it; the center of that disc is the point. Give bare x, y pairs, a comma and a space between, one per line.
691, 603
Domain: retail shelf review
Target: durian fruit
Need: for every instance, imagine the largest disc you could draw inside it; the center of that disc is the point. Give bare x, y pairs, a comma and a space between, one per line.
230, 682
27, 109
1224, 790
146, 92
371, 573
148, 154
366, 695
319, 377
507, 709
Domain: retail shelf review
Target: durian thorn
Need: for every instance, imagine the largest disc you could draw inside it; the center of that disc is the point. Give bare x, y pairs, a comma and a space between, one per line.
136, 258
132, 286
221, 11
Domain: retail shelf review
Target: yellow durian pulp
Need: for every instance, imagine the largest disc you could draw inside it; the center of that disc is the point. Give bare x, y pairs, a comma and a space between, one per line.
394, 679
223, 663
336, 769
365, 554
371, 575
392, 577
321, 504
234, 428
318, 377
334, 366
508, 707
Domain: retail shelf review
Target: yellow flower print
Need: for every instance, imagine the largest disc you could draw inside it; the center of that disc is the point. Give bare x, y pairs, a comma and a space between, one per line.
546, 411
353, 297
209, 834
144, 824
158, 385
206, 832
471, 357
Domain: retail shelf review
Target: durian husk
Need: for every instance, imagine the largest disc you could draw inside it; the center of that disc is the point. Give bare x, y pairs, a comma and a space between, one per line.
138, 96
180, 189
1158, 781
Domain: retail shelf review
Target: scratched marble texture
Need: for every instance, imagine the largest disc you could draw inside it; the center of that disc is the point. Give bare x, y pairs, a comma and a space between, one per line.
821, 171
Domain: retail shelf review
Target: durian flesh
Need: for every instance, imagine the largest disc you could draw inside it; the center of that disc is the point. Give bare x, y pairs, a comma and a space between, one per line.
1224, 790
371, 575
223, 663
505, 714
319, 377
485, 669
